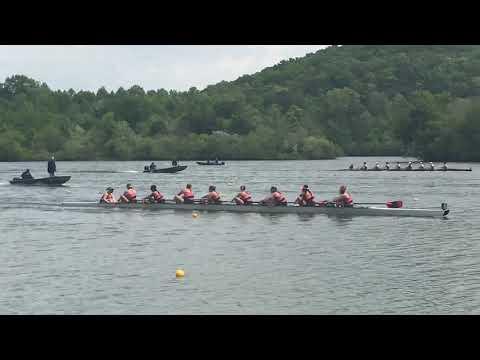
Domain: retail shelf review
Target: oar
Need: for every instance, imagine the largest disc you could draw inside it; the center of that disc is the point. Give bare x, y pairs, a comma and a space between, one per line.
385, 203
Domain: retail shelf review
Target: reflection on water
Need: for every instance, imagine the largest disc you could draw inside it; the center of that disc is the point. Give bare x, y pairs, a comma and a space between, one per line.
103, 261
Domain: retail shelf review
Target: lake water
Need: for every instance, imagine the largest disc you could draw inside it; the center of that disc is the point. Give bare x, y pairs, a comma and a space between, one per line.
101, 261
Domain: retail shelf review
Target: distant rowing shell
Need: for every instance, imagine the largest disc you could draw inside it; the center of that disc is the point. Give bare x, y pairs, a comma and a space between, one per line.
426, 170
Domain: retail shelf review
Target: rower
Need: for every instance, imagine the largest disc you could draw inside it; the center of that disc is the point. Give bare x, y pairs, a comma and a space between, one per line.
377, 166
387, 166
445, 167
364, 167
185, 196
243, 197
344, 199
107, 197
422, 167
306, 197
153, 166
350, 167
129, 196
432, 167
216, 160
174, 163
155, 197
409, 166
213, 197
275, 199
398, 166
26, 174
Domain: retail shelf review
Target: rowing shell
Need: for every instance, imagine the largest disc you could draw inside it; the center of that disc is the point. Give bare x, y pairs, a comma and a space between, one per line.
347, 211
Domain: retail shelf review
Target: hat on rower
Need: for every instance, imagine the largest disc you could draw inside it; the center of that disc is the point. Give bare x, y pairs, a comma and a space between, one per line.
129, 186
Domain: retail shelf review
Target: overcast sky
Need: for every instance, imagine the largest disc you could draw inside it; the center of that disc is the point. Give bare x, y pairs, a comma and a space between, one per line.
178, 67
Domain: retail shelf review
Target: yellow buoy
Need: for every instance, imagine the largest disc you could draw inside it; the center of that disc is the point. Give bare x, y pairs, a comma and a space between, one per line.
194, 215
179, 273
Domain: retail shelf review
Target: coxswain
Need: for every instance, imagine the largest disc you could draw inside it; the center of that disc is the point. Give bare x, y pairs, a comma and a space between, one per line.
243, 197
432, 167
108, 197
409, 166
445, 167
26, 174
153, 166
129, 196
364, 167
185, 196
275, 199
350, 167
213, 197
387, 166
155, 197
306, 197
377, 166
422, 167
344, 199
398, 166
51, 167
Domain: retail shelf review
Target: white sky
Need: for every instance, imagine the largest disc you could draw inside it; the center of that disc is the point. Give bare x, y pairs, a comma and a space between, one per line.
178, 67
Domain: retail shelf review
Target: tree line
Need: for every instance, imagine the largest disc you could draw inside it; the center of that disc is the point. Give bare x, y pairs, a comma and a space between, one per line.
344, 100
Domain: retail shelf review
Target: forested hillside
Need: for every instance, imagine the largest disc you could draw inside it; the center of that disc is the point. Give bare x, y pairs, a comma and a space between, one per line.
352, 100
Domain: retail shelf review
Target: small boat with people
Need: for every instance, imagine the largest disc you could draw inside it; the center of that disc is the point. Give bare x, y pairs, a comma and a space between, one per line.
152, 168
27, 179
275, 203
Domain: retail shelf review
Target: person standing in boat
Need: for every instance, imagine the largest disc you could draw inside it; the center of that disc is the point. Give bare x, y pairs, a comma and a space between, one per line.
155, 197
344, 199
306, 197
275, 199
108, 197
185, 196
364, 167
213, 197
243, 197
26, 174
51, 166
129, 196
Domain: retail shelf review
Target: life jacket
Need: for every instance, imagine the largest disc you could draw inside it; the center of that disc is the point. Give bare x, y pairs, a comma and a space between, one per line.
245, 196
279, 198
308, 197
187, 194
131, 195
157, 196
107, 197
213, 196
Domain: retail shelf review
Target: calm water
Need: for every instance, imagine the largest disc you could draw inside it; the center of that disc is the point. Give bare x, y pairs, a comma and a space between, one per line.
100, 261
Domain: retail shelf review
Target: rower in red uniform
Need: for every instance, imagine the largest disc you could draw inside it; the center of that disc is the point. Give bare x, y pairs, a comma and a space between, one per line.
129, 196
213, 197
185, 196
275, 199
107, 197
155, 197
344, 199
306, 197
243, 197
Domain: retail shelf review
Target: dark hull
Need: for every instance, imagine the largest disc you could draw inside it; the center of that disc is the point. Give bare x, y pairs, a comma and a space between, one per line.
428, 170
211, 163
49, 181
170, 170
